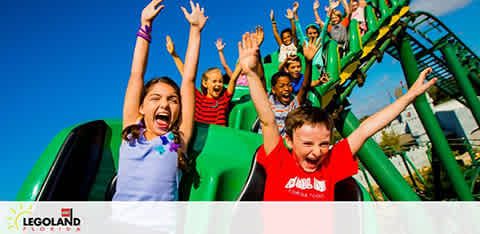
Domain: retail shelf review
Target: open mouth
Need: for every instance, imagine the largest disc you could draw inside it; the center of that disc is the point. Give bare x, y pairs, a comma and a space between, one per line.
285, 97
162, 120
312, 162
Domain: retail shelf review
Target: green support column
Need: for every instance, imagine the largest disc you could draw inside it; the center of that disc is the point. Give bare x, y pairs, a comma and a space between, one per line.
462, 80
430, 123
377, 163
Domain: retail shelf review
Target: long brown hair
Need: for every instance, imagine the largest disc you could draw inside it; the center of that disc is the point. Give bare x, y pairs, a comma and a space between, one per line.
135, 130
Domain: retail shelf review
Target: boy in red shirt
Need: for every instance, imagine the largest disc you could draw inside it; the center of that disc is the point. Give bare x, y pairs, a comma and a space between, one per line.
309, 172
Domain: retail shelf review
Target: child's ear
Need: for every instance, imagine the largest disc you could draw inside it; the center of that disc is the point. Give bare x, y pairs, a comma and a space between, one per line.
204, 83
289, 141
140, 110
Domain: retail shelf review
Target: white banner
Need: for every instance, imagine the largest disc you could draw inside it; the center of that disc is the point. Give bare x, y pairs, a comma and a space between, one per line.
243, 217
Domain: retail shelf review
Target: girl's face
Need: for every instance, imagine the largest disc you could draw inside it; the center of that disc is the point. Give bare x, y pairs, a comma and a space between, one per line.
286, 38
354, 5
213, 84
160, 109
312, 33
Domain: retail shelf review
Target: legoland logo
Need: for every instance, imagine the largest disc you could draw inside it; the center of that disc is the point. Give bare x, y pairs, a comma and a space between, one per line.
21, 220
16, 214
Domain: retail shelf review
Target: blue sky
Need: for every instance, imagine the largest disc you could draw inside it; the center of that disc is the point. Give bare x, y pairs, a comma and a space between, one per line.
68, 62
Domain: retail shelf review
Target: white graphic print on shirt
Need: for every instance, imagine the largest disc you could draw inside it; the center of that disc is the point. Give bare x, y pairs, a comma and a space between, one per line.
304, 183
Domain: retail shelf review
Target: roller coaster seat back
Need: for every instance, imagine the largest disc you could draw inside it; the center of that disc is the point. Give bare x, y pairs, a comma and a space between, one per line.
345, 190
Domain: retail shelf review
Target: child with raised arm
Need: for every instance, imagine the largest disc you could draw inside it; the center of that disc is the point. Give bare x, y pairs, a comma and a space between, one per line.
157, 118
358, 13
310, 170
337, 29
287, 39
281, 99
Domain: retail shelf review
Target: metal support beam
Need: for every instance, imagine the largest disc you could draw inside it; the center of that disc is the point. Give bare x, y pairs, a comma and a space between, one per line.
463, 82
377, 163
430, 123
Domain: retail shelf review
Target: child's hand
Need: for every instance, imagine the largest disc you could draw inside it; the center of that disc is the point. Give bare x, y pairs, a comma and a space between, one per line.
247, 52
334, 4
272, 17
316, 5
219, 44
289, 14
170, 45
151, 11
295, 7
260, 35
197, 18
310, 48
419, 87
324, 78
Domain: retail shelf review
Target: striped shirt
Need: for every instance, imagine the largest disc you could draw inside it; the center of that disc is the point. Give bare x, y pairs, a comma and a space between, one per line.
281, 111
210, 110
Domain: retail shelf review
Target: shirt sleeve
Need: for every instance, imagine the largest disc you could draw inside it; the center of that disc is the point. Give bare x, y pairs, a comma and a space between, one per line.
275, 157
299, 32
342, 163
346, 21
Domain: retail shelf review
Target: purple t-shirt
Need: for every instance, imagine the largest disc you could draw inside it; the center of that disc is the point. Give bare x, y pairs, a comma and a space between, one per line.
147, 170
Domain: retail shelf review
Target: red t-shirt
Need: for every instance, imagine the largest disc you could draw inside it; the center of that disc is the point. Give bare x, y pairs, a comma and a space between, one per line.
211, 110
286, 181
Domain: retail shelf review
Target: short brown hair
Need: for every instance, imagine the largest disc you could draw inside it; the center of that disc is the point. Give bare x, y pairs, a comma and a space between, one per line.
307, 115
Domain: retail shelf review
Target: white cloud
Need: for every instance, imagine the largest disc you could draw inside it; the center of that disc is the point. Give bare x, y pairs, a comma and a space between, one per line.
438, 7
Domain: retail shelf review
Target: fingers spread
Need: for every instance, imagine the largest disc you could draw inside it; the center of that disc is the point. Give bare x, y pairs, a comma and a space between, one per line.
184, 11
192, 5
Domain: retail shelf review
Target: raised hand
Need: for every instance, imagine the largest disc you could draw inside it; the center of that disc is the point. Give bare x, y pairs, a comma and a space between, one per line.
247, 52
289, 14
170, 45
334, 4
310, 48
197, 19
296, 5
316, 5
260, 35
151, 11
219, 44
419, 87
272, 16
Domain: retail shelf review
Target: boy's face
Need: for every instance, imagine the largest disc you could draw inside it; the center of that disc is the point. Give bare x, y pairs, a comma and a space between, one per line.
310, 143
283, 90
294, 68
336, 17
287, 38
214, 84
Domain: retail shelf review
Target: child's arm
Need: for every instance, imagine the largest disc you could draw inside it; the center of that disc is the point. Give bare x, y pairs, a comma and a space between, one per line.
310, 48
260, 71
233, 79
318, 20
361, 3
322, 80
133, 94
347, 8
247, 50
278, 39
171, 50
187, 91
292, 23
298, 27
220, 45
380, 119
